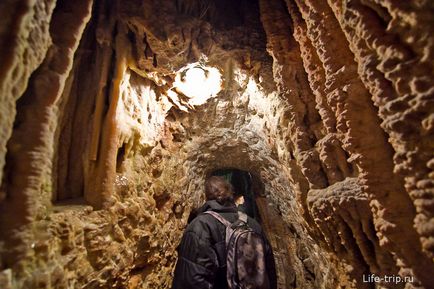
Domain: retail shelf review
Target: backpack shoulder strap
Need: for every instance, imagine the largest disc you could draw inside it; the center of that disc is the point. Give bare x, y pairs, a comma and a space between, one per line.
218, 217
242, 217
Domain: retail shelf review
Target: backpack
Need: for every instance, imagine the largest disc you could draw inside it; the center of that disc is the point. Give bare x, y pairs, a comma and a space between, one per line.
245, 254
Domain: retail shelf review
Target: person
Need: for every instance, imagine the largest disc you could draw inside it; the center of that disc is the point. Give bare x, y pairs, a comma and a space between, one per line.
202, 252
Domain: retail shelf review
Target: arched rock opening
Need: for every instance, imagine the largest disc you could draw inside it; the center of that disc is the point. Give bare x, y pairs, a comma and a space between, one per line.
103, 156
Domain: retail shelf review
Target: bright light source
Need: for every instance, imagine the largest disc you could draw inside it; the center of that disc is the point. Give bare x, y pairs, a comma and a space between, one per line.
198, 83
195, 75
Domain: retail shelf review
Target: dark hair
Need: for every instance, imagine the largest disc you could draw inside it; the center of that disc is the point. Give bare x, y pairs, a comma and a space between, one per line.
217, 188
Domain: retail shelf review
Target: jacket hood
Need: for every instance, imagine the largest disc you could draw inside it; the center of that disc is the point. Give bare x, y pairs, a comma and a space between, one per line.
212, 205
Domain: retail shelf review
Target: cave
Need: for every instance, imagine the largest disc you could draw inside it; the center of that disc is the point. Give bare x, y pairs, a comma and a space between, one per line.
113, 113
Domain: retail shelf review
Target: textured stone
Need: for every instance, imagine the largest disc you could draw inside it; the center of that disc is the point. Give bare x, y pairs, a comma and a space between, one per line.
328, 104
25, 40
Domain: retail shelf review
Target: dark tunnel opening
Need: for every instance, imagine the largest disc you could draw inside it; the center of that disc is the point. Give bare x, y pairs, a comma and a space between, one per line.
243, 184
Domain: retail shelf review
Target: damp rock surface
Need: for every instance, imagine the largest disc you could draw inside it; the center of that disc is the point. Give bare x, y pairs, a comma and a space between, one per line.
328, 104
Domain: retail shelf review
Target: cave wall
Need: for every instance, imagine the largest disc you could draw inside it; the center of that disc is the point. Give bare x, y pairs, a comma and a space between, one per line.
327, 103
349, 50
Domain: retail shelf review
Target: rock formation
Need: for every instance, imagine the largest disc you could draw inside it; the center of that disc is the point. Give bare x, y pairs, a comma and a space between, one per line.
104, 146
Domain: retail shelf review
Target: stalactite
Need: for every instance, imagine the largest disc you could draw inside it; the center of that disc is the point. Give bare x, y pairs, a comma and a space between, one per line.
331, 155
101, 189
19, 45
106, 56
30, 148
395, 71
327, 105
288, 72
373, 153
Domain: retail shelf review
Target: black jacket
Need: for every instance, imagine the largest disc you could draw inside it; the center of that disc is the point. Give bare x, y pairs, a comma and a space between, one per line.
202, 253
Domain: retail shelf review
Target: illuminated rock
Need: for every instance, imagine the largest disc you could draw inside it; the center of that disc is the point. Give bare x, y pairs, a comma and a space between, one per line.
112, 113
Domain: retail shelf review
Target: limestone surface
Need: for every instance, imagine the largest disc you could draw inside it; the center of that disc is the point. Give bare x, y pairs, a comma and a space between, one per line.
107, 134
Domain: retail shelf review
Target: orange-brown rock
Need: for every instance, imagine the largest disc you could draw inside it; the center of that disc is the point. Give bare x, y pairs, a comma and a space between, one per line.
327, 104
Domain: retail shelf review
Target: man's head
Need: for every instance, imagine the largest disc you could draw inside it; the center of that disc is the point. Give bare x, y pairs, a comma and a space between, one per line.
217, 188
